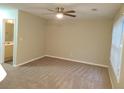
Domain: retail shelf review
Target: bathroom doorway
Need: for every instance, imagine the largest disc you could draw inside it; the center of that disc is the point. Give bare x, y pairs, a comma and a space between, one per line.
8, 38
9, 31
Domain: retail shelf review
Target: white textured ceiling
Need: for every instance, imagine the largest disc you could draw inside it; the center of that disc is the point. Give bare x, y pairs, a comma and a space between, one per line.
83, 10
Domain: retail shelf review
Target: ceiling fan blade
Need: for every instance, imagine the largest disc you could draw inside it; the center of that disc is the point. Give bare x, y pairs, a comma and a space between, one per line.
52, 10
69, 15
71, 11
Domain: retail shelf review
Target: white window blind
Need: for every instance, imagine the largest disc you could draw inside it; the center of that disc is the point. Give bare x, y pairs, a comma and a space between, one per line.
116, 48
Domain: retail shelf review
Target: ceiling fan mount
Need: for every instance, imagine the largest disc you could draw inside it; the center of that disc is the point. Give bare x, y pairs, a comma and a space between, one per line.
60, 9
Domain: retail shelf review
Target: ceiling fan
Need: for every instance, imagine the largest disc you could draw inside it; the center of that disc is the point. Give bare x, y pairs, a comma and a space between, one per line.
60, 12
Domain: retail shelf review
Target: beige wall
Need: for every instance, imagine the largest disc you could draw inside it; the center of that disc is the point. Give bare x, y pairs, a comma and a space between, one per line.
119, 84
84, 40
30, 37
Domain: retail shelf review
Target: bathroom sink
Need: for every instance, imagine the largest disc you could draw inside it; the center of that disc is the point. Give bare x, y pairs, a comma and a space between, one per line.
8, 43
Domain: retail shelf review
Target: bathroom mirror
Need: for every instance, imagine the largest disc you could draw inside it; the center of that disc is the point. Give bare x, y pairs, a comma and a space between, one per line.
9, 27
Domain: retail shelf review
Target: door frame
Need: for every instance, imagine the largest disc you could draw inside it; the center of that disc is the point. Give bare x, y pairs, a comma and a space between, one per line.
3, 42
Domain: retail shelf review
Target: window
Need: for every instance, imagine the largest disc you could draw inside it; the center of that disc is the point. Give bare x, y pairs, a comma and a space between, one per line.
116, 48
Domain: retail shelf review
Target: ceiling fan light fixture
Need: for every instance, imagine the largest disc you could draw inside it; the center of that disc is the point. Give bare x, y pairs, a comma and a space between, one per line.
59, 15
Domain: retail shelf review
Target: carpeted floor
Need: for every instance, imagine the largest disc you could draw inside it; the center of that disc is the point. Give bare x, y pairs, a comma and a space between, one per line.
52, 73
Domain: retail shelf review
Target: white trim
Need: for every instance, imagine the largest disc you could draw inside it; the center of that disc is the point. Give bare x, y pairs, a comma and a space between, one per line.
89, 63
28, 61
15, 39
111, 78
2, 46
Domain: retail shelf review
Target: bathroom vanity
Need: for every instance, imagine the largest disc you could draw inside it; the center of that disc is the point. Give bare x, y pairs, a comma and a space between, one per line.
8, 51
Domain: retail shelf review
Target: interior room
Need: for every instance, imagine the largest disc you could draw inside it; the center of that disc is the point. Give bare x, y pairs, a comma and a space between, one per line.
62, 46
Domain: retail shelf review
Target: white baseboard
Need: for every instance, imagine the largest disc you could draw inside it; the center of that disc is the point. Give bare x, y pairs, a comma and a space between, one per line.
89, 63
28, 61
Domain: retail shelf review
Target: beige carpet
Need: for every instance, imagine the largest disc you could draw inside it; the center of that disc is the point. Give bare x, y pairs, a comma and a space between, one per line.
54, 74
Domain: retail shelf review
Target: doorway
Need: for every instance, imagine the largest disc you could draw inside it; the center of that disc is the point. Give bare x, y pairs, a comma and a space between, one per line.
8, 41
